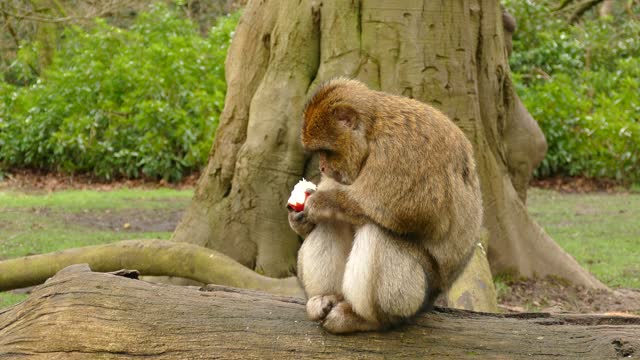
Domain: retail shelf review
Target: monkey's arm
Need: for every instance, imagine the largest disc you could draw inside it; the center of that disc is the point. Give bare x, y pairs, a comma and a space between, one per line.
334, 204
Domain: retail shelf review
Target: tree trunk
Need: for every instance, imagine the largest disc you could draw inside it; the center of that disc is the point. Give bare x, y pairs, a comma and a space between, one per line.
450, 54
79, 314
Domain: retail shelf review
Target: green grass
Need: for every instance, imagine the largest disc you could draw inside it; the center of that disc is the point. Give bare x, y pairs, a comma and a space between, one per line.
79, 200
41, 223
602, 231
8, 299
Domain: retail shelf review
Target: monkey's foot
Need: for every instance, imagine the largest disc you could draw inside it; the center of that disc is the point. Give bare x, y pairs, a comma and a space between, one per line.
341, 320
319, 306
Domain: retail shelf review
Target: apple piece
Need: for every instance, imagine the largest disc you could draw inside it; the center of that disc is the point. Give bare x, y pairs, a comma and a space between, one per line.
299, 195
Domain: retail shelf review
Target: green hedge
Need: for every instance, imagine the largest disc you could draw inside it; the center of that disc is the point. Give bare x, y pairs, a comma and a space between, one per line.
136, 102
582, 84
145, 101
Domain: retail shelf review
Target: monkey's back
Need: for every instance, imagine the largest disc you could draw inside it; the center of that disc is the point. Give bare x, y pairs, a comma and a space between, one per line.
423, 180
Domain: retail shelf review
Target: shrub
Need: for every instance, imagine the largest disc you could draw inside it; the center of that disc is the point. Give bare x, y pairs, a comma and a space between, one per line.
581, 84
137, 102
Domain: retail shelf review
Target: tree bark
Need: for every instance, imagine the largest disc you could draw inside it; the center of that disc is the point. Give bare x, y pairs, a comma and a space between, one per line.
79, 314
474, 288
450, 54
239, 204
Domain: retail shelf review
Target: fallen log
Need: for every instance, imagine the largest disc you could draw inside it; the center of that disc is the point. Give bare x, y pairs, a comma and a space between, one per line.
80, 314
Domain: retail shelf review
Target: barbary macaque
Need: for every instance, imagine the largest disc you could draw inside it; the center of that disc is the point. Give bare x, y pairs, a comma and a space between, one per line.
397, 211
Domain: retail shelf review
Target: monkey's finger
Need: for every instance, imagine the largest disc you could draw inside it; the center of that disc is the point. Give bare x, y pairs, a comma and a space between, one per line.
299, 216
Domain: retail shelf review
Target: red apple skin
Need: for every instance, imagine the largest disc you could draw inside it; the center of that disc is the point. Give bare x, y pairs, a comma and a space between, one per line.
296, 207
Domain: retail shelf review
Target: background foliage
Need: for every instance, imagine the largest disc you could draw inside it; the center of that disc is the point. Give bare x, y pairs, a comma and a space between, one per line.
142, 98
581, 83
141, 101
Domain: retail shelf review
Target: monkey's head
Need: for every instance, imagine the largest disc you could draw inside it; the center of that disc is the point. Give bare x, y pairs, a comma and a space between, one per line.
335, 128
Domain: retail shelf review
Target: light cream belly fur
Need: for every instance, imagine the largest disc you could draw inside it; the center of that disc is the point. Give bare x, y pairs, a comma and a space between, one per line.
399, 286
322, 258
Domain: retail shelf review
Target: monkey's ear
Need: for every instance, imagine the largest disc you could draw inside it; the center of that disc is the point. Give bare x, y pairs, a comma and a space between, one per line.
346, 115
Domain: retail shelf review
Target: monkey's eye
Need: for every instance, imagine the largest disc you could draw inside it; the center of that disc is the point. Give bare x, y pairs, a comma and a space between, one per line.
326, 152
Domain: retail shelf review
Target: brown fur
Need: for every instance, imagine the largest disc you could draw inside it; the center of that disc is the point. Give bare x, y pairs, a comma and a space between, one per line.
404, 175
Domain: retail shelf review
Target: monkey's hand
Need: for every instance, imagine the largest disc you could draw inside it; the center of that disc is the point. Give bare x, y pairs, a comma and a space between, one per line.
299, 223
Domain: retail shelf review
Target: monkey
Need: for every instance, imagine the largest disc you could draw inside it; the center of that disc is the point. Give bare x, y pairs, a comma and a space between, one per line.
396, 213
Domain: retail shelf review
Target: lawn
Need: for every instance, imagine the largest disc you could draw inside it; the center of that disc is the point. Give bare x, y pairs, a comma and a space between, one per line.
600, 230
32, 223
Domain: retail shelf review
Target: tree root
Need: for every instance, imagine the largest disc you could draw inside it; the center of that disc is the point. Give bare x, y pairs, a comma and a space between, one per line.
149, 257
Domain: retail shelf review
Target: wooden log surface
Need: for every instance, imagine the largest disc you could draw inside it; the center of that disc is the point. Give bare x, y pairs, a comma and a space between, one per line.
79, 314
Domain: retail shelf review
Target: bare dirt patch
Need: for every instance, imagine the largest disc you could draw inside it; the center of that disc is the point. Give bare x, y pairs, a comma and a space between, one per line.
129, 220
553, 295
567, 184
